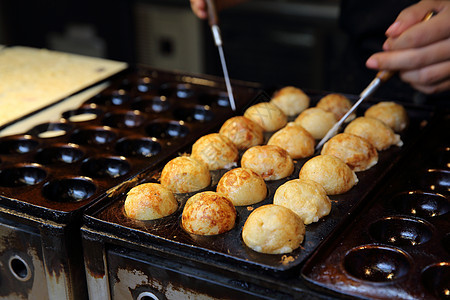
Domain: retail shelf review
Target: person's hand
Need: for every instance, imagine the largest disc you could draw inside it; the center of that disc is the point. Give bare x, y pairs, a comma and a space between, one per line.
420, 51
199, 8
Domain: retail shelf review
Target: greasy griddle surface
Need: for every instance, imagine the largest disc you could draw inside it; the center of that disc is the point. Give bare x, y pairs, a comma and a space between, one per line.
56, 169
110, 216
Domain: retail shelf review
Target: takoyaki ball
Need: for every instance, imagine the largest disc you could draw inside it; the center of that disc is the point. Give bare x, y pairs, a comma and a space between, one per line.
338, 104
316, 121
267, 115
208, 213
149, 201
273, 229
376, 132
243, 132
293, 138
306, 198
184, 174
269, 161
291, 100
242, 186
390, 113
216, 151
357, 152
334, 175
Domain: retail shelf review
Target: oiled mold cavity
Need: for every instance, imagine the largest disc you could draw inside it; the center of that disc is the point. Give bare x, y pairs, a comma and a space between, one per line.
146, 85
167, 129
151, 104
93, 136
440, 158
197, 113
18, 144
219, 98
436, 279
22, 175
101, 167
82, 115
112, 98
421, 204
50, 130
69, 189
400, 231
145, 147
376, 263
125, 119
446, 242
59, 153
433, 180
180, 90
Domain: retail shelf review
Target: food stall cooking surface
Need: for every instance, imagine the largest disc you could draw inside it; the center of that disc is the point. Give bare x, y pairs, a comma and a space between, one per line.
109, 217
399, 245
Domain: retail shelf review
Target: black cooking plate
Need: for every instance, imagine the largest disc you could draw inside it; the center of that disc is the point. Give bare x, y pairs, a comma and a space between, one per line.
108, 215
55, 170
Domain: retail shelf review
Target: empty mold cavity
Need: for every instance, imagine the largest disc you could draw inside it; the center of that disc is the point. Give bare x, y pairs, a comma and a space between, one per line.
400, 231
441, 157
167, 129
220, 98
421, 204
69, 189
59, 153
93, 136
434, 180
18, 144
114, 98
376, 263
22, 175
196, 113
151, 104
436, 279
19, 268
180, 90
146, 85
446, 242
101, 167
81, 115
50, 130
125, 119
145, 147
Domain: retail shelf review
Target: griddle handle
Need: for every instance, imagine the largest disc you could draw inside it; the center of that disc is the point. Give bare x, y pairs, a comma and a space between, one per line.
212, 12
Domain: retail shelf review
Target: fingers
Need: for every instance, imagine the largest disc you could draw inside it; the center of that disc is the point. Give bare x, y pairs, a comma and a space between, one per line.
408, 31
199, 8
410, 59
429, 80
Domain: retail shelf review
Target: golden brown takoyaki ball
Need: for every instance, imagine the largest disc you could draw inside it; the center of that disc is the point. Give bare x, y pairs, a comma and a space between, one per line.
338, 104
293, 138
330, 172
150, 201
267, 115
355, 151
243, 132
291, 100
184, 174
216, 151
306, 198
208, 213
390, 113
273, 229
376, 132
269, 161
316, 121
242, 186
